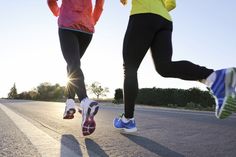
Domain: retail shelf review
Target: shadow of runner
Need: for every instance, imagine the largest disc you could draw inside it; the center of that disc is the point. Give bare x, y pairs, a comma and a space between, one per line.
95, 148
71, 143
152, 146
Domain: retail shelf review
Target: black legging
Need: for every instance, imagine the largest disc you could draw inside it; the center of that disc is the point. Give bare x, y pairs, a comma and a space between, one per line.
152, 31
73, 46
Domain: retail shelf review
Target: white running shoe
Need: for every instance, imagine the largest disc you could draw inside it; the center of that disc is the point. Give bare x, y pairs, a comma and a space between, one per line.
70, 109
89, 110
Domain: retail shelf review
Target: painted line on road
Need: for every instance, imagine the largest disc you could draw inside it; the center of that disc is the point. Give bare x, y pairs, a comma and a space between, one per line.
45, 144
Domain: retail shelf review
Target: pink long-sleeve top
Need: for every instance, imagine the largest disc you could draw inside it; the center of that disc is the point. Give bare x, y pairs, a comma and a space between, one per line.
77, 14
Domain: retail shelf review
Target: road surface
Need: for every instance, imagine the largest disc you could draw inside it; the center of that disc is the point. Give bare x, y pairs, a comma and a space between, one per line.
34, 128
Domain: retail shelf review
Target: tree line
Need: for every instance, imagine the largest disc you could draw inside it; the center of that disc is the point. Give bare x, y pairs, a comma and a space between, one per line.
48, 92
192, 98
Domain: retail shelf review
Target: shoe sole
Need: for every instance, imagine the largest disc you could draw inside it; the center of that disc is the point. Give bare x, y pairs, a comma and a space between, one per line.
229, 107
69, 114
229, 104
133, 130
89, 124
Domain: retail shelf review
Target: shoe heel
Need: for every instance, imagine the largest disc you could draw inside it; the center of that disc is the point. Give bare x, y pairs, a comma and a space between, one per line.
229, 107
230, 82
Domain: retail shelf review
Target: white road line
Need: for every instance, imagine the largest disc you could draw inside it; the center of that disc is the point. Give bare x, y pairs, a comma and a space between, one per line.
45, 144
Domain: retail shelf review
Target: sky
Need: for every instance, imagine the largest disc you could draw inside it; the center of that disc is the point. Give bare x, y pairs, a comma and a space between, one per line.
30, 54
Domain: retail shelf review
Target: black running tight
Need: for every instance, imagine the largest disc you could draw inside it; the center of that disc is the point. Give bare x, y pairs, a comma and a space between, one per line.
152, 31
73, 46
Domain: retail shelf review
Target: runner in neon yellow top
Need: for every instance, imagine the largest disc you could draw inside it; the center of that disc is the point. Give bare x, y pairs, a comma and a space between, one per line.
150, 6
150, 27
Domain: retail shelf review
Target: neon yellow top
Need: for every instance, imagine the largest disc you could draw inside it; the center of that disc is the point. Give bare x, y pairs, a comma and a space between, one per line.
150, 6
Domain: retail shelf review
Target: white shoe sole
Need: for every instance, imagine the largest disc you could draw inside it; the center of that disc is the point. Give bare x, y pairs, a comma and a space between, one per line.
89, 124
69, 114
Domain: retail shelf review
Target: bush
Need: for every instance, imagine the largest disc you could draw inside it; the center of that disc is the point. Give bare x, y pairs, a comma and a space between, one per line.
191, 98
118, 98
172, 105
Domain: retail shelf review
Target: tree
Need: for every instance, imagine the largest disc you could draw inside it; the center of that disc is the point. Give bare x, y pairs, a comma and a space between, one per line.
118, 98
13, 92
46, 91
96, 89
28, 95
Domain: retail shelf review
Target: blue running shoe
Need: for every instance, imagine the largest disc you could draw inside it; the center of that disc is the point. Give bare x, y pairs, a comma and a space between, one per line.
224, 91
128, 127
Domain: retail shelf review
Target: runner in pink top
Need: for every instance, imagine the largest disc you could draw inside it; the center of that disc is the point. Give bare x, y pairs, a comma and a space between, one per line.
77, 14
76, 27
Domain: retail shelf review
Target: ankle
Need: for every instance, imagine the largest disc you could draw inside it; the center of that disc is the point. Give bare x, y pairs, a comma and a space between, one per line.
126, 120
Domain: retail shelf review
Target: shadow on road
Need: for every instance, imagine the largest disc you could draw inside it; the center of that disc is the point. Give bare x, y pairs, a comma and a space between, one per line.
152, 146
70, 142
95, 147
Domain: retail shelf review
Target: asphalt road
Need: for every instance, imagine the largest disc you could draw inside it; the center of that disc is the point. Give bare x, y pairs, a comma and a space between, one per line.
33, 128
